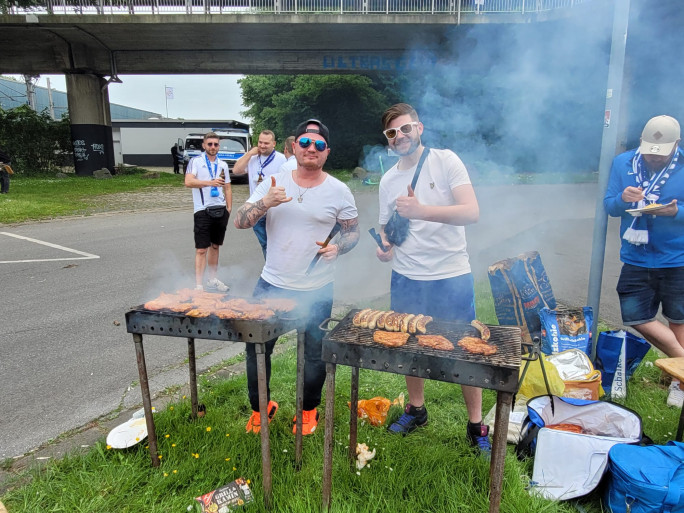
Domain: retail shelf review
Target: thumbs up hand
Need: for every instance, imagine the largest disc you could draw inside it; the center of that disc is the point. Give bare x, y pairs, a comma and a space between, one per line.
275, 195
409, 206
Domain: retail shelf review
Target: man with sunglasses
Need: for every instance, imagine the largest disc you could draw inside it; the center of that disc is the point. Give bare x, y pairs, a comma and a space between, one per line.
302, 207
208, 177
259, 163
430, 269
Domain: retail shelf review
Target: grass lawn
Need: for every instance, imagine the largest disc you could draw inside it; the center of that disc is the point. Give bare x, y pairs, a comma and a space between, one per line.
430, 470
44, 198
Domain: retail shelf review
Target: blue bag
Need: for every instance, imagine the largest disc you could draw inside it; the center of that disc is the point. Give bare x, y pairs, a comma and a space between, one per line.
566, 328
608, 353
646, 479
520, 288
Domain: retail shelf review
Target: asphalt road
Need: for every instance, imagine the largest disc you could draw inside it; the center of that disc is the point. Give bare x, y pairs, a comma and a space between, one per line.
64, 361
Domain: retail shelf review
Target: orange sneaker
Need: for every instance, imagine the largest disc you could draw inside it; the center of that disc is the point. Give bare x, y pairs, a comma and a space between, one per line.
254, 422
309, 422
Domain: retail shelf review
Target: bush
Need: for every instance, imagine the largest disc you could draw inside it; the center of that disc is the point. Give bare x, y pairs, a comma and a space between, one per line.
36, 143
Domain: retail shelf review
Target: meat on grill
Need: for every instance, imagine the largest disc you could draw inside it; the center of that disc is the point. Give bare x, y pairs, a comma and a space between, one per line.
391, 321
197, 303
482, 328
390, 339
476, 345
435, 342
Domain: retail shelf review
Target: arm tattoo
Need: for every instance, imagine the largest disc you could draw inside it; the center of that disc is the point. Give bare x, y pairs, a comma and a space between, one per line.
249, 213
349, 235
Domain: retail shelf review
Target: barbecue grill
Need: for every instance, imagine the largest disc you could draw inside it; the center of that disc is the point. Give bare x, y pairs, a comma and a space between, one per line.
350, 345
140, 321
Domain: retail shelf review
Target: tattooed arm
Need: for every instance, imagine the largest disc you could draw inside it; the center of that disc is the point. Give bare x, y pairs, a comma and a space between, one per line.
249, 213
349, 237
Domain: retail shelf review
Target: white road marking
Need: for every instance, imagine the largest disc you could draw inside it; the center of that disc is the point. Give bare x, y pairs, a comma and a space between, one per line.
85, 256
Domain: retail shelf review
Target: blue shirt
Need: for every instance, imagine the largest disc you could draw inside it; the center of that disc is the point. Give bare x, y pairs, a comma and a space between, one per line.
665, 246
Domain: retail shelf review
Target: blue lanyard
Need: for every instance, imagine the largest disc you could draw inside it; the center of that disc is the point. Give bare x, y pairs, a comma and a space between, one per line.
268, 161
213, 175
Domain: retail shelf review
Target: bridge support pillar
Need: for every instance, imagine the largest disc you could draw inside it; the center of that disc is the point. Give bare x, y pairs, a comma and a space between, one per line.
91, 124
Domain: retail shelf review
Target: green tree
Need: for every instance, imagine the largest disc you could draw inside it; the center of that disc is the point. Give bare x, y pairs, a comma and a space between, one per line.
35, 142
350, 105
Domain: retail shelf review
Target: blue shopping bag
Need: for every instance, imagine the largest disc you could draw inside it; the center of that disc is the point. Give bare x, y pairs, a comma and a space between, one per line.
616, 370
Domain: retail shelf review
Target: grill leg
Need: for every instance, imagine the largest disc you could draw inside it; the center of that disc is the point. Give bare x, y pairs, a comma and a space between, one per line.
496, 466
353, 416
329, 434
193, 376
263, 410
147, 402
301, 338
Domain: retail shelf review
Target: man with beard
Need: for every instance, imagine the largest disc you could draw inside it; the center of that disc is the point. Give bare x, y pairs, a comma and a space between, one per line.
260, 162
652, 248
207, 176
301, 208
430, 268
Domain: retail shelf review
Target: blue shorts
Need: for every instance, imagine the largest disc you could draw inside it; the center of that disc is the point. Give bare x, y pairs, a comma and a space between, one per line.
451, 299
643, 290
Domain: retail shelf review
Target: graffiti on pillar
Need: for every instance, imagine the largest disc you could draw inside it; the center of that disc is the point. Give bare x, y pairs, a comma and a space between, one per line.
98, 148
80, 150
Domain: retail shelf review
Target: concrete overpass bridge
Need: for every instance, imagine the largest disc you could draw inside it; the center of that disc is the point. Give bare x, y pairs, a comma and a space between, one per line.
93, 41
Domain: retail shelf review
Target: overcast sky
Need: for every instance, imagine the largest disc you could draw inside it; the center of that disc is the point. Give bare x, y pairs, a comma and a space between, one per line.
194, 96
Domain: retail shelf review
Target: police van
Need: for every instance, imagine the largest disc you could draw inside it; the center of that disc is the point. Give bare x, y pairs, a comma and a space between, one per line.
234, 142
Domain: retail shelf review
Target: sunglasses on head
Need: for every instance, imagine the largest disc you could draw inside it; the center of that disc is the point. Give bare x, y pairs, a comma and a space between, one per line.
391, 133
305, 142
211, 144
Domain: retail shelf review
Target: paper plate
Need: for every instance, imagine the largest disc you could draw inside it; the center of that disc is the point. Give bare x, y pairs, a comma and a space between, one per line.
635, 211
128, 434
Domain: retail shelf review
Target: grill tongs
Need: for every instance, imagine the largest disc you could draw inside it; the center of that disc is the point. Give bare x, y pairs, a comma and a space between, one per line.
315, 260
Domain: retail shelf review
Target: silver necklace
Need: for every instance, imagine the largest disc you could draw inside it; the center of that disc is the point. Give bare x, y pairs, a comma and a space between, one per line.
301, 194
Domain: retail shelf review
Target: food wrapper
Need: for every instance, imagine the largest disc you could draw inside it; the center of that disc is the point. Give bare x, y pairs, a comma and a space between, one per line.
227, 498
374, 410
363, 455
572, 364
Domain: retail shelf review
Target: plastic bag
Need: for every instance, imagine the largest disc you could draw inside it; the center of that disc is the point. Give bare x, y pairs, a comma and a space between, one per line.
533, 384
374, 410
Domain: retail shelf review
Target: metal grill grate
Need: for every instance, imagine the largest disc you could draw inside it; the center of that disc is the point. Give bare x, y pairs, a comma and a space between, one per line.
171, 324
347, 344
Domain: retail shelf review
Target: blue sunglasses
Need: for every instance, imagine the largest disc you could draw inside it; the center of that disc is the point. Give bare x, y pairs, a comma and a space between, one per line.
305, 142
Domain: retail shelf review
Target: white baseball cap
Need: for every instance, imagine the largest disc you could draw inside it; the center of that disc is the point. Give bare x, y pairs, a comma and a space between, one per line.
659, 136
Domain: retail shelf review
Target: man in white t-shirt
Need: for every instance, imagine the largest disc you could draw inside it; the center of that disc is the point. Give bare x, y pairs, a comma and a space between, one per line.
208, 177
291, 162
302, 207
430, 268
260, 162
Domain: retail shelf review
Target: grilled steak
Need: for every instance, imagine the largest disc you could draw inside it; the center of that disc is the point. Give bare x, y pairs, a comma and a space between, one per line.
390, 339
476, 345
435, 342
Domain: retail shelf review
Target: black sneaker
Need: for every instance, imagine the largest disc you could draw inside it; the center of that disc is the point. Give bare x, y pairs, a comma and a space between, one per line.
477, 436
411, 419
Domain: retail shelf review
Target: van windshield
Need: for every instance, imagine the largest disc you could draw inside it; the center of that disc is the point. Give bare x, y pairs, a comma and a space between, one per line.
193, 144
232, 144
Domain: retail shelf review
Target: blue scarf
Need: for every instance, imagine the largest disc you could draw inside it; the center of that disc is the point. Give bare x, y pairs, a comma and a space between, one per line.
637, 233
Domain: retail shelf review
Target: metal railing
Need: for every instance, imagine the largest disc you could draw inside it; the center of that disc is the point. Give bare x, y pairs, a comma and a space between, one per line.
113, 7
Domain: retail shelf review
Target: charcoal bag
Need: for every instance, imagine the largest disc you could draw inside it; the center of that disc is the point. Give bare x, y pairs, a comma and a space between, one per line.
618, 354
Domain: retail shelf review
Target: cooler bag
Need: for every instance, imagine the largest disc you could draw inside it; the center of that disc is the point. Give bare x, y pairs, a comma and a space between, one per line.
568, 464
646, 479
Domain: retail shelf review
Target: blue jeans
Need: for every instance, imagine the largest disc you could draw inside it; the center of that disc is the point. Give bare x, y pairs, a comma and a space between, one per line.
643, 290
260, 231
451, 299
317, 306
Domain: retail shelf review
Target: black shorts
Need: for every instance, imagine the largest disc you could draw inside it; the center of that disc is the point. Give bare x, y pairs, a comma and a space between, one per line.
209, 230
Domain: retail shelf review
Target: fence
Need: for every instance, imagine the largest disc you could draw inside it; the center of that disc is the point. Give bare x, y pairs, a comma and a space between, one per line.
115, 7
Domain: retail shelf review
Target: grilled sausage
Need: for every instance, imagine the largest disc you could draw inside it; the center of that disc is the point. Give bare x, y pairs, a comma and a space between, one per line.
484, 330
373, 318
413, 323
405, 322
380, 321
422, 323
356, 321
